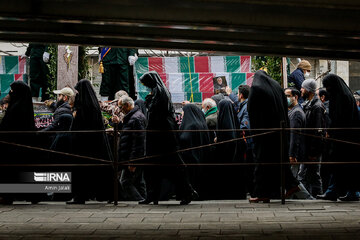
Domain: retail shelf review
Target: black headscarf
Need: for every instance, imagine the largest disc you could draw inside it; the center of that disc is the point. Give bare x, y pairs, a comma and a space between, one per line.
227, 119
88, 113
267, 107
193, 119
159, 99
142, 106
20, 113
342, 105
217, 98
160, 116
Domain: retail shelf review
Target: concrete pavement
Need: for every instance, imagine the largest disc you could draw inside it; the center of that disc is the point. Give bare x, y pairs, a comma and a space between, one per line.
199, 220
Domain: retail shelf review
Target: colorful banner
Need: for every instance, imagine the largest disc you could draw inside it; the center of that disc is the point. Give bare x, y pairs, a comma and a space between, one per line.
192, 77
12, 68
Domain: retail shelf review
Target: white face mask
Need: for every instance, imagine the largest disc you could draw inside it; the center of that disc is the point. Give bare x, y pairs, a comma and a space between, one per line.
203, 110
307, 74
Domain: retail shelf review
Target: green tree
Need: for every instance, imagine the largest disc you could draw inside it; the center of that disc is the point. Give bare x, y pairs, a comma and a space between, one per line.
52, 76
272, 64
84, 66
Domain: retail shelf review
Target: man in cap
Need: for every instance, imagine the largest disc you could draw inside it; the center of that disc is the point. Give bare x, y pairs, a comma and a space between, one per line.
60, 108
314, 110
297, 77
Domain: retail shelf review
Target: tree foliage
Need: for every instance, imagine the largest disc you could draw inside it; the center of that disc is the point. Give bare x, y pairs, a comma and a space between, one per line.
272, 64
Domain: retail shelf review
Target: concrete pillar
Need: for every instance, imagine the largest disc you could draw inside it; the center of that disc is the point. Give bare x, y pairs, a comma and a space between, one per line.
342, 70
67, 67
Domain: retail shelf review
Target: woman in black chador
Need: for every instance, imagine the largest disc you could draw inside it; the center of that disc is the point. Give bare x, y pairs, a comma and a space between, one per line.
194, 119
343, 112
228, 176
267, 108
19, 117
161, 117
89, 182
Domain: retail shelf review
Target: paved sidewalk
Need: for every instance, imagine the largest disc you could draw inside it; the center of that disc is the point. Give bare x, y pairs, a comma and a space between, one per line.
199, 220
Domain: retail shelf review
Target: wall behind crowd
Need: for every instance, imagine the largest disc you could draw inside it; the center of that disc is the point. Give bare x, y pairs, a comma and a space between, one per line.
12, 68
186, 76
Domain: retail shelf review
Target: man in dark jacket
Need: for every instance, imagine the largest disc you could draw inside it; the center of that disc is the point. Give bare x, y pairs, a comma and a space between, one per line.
315, 118
297, 120
246, 147
132, 146
297, 77
60, 108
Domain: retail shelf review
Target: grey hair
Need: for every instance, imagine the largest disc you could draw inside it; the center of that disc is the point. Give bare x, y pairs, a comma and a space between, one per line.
127, 100
120, 94
209, 102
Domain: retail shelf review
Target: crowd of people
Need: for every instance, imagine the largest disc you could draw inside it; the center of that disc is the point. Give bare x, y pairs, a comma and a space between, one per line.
207, 158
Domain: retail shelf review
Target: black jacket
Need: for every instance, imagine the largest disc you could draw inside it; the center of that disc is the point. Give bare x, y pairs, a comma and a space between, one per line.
57, 125
132, 144
315, 118
297, 144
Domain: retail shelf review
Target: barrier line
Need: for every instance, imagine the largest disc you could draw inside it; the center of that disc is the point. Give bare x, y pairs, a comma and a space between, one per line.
56, 152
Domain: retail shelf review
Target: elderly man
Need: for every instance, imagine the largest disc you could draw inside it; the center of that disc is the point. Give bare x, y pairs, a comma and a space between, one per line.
209, 108
132, 146
315, 118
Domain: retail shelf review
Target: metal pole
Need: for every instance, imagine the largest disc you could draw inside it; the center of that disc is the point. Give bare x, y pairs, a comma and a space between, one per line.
282, 158
115, 162
284, 72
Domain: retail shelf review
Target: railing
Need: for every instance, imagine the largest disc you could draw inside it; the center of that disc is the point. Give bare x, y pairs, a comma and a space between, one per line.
140, 161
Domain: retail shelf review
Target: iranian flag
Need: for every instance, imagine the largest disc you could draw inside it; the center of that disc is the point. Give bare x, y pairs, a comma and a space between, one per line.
191, 78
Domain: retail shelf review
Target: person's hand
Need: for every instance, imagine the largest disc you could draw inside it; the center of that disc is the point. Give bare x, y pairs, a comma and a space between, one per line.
215, 140
132, 59
131, 169
48, 102
115, 119
46, 57
228, 90
292, 159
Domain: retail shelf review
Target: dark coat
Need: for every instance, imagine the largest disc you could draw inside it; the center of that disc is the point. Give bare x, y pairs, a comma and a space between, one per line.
64, 108
132, 144
297, 143
211, 122
343, 114
267, 108
296, 78
315, 118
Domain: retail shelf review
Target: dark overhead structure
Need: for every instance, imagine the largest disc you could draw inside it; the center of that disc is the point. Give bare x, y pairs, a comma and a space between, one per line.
317, 28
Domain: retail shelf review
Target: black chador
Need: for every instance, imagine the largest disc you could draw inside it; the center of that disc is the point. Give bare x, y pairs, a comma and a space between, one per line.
230, 184
89, 182
267, 108
19, 116
343, 113
163, 142
194, 119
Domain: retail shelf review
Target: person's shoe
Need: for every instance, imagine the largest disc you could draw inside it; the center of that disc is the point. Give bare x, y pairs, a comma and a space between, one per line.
350, 196
76, 201
327, 196
193, 196
148, 201
257, 200
292, 191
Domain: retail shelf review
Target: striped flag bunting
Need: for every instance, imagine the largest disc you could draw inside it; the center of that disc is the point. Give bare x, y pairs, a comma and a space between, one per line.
191, 78
12, 68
